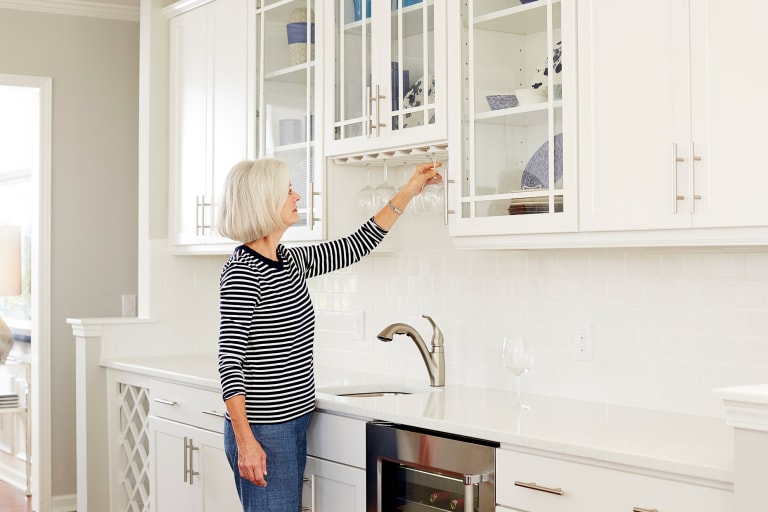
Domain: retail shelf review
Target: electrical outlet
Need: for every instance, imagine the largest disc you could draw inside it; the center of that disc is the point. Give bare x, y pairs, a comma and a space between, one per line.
129, 305
584, 343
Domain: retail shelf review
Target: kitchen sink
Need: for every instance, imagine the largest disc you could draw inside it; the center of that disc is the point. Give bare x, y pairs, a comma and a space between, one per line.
374, 390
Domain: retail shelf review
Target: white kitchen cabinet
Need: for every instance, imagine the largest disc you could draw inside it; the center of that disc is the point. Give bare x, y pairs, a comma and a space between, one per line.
533, 482
386, 80
662, 82
331, 487
287, 88
188, 468
240, 89
209, 102
517, 68
334, 478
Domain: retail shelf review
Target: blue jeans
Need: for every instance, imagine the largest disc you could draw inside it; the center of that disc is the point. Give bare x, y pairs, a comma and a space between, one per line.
286, 448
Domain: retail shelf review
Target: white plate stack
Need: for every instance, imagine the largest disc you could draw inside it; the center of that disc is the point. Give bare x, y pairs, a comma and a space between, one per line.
9, 401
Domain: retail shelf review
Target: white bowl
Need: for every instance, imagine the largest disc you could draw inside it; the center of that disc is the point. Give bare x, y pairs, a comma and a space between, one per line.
530, 96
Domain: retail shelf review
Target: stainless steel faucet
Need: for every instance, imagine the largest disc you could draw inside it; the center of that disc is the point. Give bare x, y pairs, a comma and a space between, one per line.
435, 360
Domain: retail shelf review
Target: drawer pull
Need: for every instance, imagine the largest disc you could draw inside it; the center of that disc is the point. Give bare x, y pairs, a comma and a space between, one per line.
640, 509
532, 485
164, 401
214, 413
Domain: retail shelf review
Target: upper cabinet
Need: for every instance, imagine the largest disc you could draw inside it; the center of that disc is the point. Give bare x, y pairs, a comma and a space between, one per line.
287, 91
242, 85
386, 79
513, 142
209, 95
671, 107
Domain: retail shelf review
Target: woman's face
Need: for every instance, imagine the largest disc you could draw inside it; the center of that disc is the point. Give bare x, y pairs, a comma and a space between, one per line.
289, 213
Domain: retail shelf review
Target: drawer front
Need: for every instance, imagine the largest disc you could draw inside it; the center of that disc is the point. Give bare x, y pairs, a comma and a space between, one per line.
337, 438
532, 482
201, 408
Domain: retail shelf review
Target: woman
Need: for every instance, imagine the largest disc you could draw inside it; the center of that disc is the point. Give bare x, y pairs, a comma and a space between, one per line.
267, 326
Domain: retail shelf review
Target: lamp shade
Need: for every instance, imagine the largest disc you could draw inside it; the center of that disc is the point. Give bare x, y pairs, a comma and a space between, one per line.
10, 260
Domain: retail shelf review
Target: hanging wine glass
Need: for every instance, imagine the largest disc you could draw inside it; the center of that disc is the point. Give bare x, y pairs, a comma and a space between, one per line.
385, 190
517, 356
365, 197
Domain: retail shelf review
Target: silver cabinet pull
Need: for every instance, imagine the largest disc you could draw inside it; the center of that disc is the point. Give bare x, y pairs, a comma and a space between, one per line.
164, 401
639, 509
188, 460
214, 413
369, 121
446, 211
691, 179
535, 487
675, 196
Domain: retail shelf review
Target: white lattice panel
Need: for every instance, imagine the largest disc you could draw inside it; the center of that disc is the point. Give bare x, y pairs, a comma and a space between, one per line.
134, 447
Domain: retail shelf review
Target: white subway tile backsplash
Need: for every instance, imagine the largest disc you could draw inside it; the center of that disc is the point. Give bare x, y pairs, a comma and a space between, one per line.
669, 325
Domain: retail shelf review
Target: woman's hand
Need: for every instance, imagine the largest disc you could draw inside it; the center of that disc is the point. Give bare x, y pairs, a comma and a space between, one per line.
252, 462
424, 174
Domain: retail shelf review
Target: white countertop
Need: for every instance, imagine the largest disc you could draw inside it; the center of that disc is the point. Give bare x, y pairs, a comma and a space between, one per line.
685, 445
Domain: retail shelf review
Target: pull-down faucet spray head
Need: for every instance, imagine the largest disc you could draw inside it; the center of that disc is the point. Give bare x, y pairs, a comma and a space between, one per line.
434, 359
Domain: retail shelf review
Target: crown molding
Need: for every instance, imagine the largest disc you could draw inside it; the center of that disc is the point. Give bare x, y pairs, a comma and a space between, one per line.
75, 8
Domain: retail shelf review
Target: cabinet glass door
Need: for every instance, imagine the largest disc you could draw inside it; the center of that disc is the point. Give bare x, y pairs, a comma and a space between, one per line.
513, 122
388, 70
285, 90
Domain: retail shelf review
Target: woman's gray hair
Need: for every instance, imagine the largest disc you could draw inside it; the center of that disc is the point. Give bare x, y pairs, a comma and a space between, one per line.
254, 194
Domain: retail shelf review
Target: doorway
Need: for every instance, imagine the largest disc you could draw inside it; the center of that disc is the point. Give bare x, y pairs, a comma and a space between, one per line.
25, 183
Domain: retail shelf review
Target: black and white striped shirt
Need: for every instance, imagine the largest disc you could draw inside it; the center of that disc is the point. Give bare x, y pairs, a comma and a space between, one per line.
267, 323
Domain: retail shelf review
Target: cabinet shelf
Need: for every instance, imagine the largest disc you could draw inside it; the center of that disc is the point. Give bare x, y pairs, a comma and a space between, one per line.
296, 74
517, 116
524, 19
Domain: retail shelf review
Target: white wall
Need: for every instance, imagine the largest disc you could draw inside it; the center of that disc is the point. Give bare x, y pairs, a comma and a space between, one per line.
94, 65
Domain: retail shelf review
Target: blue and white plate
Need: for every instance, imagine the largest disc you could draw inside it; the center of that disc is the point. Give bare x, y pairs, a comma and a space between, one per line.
415, 98
542, 75
536, 172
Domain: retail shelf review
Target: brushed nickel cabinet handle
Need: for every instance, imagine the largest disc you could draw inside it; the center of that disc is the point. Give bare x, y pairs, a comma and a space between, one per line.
214, 413
535, 487
164, 401
691, 179
675, 196
640, 509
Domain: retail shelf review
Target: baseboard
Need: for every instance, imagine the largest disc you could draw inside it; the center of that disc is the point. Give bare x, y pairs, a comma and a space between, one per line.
65, 503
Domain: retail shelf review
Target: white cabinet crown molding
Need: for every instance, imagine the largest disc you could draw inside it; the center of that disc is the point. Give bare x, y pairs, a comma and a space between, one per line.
78, 8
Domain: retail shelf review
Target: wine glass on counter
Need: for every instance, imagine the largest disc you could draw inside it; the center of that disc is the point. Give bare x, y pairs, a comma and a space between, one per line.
517, 357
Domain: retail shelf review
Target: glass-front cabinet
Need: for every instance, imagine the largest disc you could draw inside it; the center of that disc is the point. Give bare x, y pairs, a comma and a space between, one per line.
286, 93
243, 80
512, 164
386, 78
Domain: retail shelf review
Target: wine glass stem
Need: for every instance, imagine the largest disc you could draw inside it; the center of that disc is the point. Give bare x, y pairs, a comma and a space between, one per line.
517, 387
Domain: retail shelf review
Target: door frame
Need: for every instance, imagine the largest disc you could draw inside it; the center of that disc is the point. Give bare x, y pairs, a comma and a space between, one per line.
39, 402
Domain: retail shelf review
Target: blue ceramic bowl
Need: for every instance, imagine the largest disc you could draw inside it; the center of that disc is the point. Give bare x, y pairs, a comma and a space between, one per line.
526, 1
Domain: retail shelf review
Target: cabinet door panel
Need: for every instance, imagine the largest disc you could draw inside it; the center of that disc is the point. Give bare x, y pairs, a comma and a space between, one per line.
168, 490
633, 105
333, 487
730, 104
216, 477
188, 112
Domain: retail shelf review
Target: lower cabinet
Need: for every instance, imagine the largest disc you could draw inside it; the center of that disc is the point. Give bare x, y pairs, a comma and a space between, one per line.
332, 487
334, 479
534, 483
189, 469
